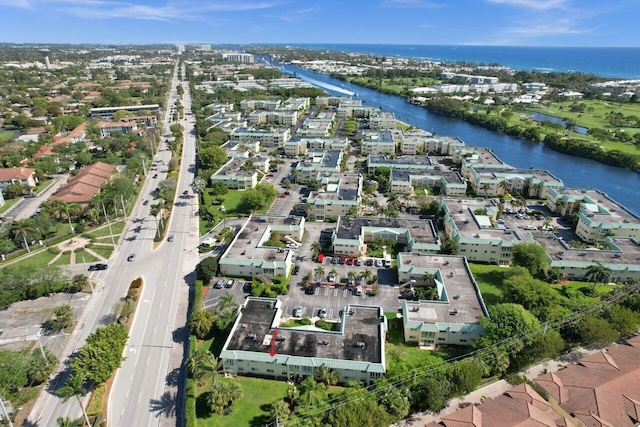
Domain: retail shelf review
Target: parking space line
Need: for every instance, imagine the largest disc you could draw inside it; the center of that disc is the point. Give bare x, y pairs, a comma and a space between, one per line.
330, 314
326, 291
344, 293
317, 291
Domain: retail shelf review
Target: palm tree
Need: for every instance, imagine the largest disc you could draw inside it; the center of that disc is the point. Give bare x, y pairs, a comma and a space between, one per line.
598, 273
502, 186
198, 185
316, 247
326, 375
392, 213
311, 392
280, 411
22, 228
318, 272
333, 272
94, 215
66, 422
226, 302
67, 210
366, 274
352, 275
560, 204
292, 393
203, 364
74, 386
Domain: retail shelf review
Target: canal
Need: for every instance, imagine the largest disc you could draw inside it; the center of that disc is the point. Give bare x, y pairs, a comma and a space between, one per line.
622, 185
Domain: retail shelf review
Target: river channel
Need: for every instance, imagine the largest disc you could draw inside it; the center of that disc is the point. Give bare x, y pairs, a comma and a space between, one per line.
622, 185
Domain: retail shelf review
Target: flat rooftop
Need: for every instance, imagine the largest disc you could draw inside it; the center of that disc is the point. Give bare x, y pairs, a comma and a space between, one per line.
471, 225
232, 168
245, 246
422, 231
557, 250
603, 208
399, 161
524, 174
449, 176
463, 302
255, 328
337, 186
330, 159
483, 156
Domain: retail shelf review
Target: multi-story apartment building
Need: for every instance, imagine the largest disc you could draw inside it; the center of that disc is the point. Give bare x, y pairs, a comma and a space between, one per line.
267, 138
337, 194
448, 183
328, 161
355, 352
472, 224
452, 319
234, 176
378, 142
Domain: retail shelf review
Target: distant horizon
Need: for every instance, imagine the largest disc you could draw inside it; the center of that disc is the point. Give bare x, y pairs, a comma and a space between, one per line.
303, 44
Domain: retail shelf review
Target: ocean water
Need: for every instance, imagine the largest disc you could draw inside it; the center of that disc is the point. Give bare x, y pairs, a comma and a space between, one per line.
615, 62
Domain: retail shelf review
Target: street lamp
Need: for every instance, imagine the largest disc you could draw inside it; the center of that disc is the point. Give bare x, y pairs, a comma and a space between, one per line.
144, 168
224, 216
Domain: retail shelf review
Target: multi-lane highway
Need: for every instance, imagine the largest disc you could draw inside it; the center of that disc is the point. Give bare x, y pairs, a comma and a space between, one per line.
141, 394
138, 393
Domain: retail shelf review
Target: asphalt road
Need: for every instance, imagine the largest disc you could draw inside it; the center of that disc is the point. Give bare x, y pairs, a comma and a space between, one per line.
140, 383
29, 205
144, 392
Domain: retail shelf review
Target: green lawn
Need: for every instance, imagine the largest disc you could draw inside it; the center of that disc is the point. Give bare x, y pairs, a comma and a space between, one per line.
65, 259
6, 135
42, 185
38, 260
398, 351
252, 408
104, 251
489, 280
104, 231
8, 204
82, 253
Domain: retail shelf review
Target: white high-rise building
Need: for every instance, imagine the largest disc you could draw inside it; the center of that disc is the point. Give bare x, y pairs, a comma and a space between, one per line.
180, 48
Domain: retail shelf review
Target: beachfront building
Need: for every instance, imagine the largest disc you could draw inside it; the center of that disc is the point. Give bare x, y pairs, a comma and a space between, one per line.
246, 255
382, 120
325, 162
472, 224
352, 235
598, 215
235, 175
338, 193
421, 142
355, 352
454, 318
490, 182
267, 138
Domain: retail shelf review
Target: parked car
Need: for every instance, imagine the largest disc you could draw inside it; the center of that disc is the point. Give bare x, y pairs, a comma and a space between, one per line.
357, 261
341, 261
310, 290
323, 312
368, 262
349, 261
246, 287
96, 267
229, 284
334, 260
297, 312
219, 284
296, 269
378, 263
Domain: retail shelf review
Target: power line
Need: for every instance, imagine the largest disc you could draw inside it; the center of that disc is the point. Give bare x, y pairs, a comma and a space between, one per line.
507, 345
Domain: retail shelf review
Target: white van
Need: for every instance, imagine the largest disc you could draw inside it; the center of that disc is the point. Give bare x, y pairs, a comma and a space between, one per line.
358, 291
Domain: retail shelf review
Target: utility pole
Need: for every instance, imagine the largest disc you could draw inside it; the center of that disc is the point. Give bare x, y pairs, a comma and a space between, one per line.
124, 211
144, 167
88, 276
44, 356
109, 224
5, 413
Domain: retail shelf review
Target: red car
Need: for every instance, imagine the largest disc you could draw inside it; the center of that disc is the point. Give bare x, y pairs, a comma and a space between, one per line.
349, 261
270, 175
281, 196
185, 192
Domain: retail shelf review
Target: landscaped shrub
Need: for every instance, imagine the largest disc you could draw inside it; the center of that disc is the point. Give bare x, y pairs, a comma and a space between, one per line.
190, 403
137, 282
54, 250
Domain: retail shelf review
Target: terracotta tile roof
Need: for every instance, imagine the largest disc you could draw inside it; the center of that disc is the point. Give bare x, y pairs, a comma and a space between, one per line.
602, 389
466, 417
85, 184
8, 174
78, 131
552, 384
45, 150
525, 392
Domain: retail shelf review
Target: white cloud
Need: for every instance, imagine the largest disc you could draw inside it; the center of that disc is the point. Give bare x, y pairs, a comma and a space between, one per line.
295, 15
555, 28
533, 4
172, 10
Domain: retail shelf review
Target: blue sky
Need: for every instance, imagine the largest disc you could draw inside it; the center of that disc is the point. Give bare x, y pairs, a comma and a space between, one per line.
450, 22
